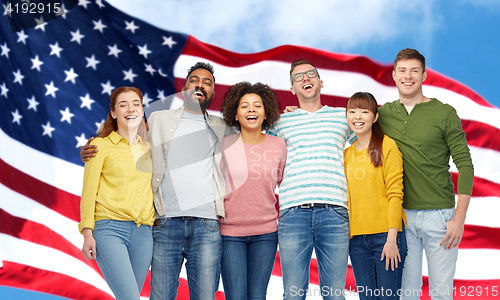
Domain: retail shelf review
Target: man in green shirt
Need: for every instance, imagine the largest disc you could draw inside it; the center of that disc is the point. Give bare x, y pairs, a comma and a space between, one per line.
428, 132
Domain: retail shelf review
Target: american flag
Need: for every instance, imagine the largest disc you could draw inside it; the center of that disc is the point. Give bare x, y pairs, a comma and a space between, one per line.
55, 80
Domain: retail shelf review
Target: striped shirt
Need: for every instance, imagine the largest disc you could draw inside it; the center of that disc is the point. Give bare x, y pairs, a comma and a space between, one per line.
314, 170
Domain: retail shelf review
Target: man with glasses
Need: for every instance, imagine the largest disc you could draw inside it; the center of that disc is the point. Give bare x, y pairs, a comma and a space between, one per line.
313, 194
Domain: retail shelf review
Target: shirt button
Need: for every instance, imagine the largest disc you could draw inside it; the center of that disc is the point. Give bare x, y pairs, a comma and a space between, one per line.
171, 130
157, 180
139, 195
139, 171
404, 132
139, 183
406, 122
163, 164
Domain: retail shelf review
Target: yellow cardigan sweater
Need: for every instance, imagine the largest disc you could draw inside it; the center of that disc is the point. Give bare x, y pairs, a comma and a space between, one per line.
375, 195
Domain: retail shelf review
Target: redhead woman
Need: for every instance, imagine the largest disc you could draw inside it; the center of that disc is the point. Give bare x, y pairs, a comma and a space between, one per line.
117, 212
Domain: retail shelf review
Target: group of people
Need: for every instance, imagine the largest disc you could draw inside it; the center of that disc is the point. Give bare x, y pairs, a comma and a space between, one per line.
190, 186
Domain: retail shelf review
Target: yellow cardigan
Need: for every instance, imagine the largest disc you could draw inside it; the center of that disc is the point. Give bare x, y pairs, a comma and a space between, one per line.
117, 183
375, 195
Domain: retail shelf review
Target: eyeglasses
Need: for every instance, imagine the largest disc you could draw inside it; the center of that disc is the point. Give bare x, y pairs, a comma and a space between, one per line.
297, 77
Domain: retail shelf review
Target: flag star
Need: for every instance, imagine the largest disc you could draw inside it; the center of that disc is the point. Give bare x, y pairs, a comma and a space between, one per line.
86, 102
131, 26
99, 26
47, 129
70, 76
99, 124
5, 90
22, 37
99, 2
107, 88
36, 63
5, 10
62, 12
76, 36
17, 117
161, 94
114, 50
18, 77
150, 69
81, 140
144, 50
40, 24
129, 75
5, 50
51, 89
92, 62
169, 42
56, 49
32, 103
83, 3
146, 100
66, 115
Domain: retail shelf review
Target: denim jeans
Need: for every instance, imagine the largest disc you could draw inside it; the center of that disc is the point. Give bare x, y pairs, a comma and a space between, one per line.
196, 240
123, 254
247, 264
373, 281
425, 230
326, 229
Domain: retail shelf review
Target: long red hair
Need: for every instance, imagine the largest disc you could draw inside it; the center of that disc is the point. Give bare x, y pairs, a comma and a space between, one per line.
110, 124
364, 100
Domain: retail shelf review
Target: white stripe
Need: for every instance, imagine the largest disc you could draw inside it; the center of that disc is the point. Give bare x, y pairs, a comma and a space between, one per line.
44, 167
483, 211
486, 163
26, 253
474, 264
337, 83
24, 207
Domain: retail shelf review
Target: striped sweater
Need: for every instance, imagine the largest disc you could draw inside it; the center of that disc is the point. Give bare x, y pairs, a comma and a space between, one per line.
314, 170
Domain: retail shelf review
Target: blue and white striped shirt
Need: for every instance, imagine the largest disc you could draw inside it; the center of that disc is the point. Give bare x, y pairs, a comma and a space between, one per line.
314, 170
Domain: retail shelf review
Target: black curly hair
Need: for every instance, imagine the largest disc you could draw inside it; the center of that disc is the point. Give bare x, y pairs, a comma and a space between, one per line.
231, 101
201, 65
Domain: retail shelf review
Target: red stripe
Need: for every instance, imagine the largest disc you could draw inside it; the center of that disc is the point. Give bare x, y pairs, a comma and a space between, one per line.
40, 234
58, 200
480, 237
382, 73
481, 188
30, 278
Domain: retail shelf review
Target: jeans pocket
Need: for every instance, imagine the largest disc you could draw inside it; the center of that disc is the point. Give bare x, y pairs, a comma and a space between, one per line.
211, 224
162, 223
102, 224
340, 212
285, 213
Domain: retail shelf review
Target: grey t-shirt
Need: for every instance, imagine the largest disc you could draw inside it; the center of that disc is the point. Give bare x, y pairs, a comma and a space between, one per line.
188, 185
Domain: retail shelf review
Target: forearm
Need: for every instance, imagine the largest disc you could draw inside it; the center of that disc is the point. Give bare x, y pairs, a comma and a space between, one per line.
462, 206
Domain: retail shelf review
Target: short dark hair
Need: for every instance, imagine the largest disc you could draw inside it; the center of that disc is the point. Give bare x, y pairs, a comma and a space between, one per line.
231, 102
299, 62
201, 65
409, 53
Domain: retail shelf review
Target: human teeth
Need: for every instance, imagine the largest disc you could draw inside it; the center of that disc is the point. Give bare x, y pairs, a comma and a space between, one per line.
251, 117
358, 124
131, 117
307, 86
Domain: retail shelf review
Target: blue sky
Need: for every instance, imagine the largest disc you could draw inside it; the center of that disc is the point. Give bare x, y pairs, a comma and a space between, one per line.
459, 38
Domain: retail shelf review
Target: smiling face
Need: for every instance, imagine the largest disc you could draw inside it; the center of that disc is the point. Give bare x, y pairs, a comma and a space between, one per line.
360, 120
128, 111
251, 113
409, 76
198, 92
308, 89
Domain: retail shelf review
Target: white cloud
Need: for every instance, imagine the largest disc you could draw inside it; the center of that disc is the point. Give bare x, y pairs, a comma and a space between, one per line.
250, 26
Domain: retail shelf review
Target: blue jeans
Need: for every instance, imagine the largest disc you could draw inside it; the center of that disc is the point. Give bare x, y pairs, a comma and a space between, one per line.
373, 281
196, 240
326, 229
247, 264
425, 230
123, 253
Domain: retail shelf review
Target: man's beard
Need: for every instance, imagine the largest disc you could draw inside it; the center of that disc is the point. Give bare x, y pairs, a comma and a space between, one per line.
191, 103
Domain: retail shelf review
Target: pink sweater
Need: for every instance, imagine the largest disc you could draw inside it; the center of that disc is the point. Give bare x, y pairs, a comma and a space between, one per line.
252, 173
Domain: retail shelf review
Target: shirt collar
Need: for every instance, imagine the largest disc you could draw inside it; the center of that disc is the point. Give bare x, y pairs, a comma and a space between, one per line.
116, 138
